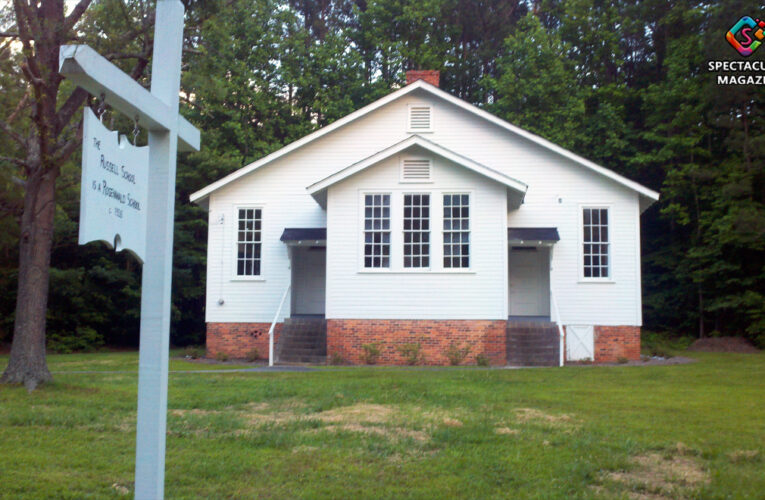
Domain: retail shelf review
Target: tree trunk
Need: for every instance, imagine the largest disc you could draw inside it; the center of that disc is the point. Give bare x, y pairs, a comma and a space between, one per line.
27, 361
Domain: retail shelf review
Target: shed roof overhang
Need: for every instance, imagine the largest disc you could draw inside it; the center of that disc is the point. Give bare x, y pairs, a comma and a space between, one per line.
516, 190
299, 236
545, 236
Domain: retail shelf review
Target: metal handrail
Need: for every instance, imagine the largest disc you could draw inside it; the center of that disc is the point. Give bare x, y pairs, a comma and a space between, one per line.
273, 324
560, 328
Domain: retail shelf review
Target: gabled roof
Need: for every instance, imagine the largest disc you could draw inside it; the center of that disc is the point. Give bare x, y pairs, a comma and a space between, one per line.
318, 189
421, 84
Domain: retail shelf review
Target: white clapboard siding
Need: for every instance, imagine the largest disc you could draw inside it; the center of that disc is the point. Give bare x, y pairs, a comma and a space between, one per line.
557, 189
354, 292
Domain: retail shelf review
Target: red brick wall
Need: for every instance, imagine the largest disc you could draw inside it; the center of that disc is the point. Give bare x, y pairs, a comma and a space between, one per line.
614, 342
346, 336
433, 77
237, 339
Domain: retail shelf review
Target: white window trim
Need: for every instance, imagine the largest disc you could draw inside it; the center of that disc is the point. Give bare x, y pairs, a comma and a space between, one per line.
401, 179
409, 128
469, 231
397, 232
580, 243
235, 242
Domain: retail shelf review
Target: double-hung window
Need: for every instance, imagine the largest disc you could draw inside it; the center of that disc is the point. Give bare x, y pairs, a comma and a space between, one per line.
377, 231
456, 231
248, 242
416, 230
595, 243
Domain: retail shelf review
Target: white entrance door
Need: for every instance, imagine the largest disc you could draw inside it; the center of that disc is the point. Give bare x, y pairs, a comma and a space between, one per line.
309, 270
529, 282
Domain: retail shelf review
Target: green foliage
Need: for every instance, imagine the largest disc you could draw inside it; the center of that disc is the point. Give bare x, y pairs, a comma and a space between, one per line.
221, 356
371, 352
664, 345
482, 360
84, 339
411, 352
622, 83
194, 352
253, 355
456, 355
336, 359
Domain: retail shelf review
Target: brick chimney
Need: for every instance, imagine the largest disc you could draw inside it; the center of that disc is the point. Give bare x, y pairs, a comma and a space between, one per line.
431, 76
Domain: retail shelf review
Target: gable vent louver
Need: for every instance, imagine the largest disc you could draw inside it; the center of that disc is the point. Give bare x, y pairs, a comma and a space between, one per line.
419, 118
416, 170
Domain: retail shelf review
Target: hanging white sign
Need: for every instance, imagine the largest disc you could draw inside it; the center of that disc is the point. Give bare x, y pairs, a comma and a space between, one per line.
114, 189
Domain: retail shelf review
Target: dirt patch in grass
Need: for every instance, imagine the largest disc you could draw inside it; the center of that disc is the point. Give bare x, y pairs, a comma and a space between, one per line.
393, 433
744, 456
452, 422
533, 415
658, 476
193, 411
723, 344
358, 413
506, 431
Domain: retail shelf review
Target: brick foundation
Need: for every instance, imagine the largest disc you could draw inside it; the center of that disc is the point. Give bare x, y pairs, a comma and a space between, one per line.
237, 339
614, 342
487, 337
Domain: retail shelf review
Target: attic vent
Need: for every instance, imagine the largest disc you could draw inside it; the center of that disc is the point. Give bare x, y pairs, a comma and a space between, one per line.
420, 119
415, 170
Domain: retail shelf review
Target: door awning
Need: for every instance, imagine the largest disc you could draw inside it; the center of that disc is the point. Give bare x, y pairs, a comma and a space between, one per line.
309, 235
529, 234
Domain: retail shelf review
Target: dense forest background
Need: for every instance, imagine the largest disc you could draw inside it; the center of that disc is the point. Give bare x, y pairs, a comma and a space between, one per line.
623, 83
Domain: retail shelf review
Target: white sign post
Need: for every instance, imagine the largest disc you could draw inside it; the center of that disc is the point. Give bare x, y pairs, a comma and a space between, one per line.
158, 112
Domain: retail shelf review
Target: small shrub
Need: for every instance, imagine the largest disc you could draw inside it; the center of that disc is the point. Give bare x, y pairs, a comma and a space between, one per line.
622, 360
252, 355
335, 359
481, 360
412, 353
371, 352
456, 355
221, 356
194, 352
84, 339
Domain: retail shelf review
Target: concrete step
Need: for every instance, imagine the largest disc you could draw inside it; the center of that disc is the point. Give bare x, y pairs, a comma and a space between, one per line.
302, 340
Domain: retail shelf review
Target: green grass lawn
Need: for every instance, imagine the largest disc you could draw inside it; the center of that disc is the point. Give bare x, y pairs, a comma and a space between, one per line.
695, 430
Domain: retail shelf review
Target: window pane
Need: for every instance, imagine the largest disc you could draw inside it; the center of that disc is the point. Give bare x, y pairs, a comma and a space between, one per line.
456, 233
248, 241
376, 230
595, 246
416, 226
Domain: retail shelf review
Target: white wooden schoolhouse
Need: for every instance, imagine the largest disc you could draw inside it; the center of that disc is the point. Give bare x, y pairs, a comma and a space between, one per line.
422, 223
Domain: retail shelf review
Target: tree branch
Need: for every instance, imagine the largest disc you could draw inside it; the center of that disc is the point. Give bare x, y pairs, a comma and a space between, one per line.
75, 15
69, 108
15, 161
21, 105
8, 34
15, 136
